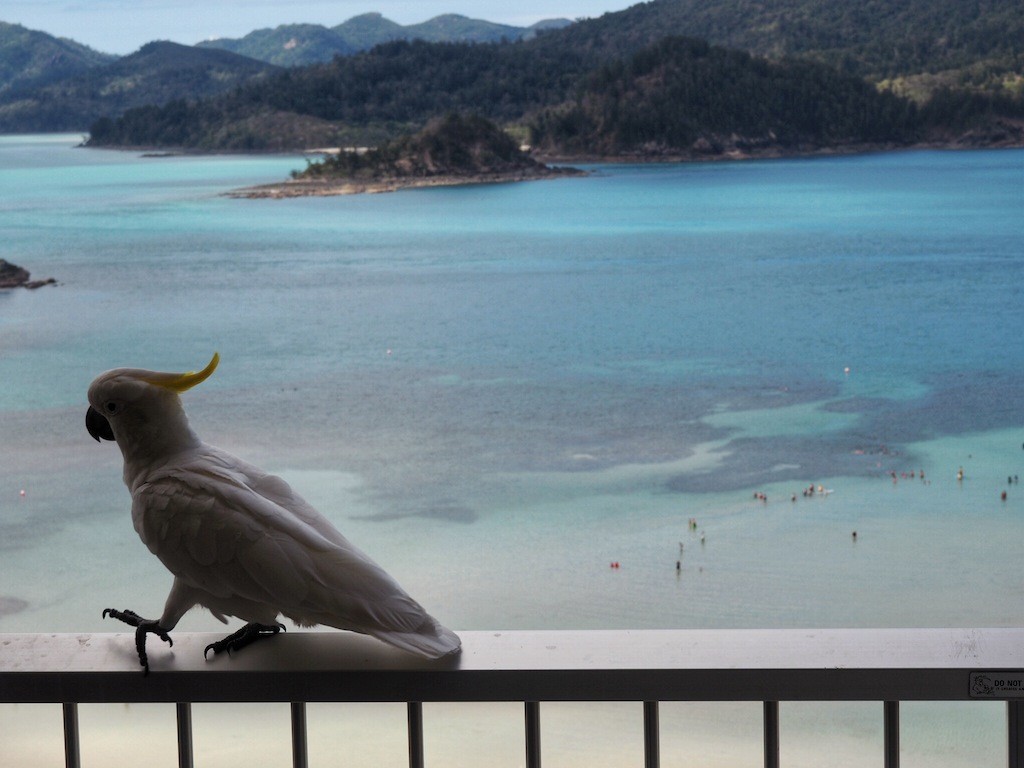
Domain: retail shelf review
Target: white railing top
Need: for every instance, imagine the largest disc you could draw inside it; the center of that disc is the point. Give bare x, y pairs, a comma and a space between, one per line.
628, 665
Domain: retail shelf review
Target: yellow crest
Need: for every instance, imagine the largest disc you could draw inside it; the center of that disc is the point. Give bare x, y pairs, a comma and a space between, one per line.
179, 382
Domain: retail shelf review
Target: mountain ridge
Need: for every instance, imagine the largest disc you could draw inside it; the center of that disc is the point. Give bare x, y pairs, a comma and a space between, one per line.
157, 73
30, 58
303, 44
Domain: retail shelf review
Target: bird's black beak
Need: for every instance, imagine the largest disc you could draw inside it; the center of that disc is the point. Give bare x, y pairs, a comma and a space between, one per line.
97, 425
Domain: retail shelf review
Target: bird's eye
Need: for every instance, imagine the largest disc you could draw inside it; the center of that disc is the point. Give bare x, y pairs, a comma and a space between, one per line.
110, 407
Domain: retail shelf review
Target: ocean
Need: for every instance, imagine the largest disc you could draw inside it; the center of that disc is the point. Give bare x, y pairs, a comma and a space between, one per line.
497, 391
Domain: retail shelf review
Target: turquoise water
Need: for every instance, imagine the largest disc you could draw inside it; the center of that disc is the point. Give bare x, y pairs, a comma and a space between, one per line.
498, 390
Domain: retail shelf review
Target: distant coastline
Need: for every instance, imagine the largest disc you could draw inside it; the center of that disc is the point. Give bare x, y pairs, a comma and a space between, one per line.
560, 166
1004, 134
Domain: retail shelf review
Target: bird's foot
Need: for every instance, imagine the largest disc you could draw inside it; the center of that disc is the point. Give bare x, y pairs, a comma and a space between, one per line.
142, 628
247, 635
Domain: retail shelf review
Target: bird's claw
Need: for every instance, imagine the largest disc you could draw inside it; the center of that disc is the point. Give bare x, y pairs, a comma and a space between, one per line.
142, 628
248, 634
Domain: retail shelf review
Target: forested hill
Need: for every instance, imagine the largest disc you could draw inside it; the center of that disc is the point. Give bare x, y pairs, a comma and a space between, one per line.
873, 38
815, 85
666, 96
30, 59
683, 97
365, 99
156, 73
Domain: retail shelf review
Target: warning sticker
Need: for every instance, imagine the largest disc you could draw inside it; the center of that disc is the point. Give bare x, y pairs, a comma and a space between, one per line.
997, 685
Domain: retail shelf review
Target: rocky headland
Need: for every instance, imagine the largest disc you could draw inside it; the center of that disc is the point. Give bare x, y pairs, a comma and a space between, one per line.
451, 151
13, 276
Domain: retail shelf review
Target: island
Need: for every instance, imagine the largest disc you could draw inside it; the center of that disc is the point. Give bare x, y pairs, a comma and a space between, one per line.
450, 151
13, 276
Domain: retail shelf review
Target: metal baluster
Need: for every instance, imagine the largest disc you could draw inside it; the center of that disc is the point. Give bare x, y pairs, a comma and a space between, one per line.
771, 734
184, 717
892, 734
532, 734
652, 745
415, 716
300, 752
72, 748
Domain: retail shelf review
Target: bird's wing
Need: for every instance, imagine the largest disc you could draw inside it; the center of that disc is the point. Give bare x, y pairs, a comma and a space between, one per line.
235, 536
274, 489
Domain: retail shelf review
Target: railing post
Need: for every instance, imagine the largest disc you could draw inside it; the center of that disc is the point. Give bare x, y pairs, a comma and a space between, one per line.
532, 734
892, 734
652, 745
771, 734
1015, 732
300, 749
72, 750
415, 716
183, 710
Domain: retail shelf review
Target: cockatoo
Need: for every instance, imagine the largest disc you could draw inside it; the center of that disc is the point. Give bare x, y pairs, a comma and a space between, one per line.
239, 541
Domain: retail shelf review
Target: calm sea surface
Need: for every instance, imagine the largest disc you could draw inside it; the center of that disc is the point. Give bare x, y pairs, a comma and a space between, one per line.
498, 390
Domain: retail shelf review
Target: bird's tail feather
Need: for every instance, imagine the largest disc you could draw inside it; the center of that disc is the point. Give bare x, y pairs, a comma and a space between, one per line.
431, 641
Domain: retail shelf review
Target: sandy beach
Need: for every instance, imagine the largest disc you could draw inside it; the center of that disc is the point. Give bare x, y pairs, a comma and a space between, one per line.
349, 186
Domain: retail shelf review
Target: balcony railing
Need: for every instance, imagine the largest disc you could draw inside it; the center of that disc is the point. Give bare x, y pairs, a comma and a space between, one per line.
648, 667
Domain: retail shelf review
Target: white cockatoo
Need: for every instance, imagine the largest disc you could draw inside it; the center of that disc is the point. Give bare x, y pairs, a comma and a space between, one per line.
240, 542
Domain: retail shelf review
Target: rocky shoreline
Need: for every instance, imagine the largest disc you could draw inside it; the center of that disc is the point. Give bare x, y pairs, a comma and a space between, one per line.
327, 187
13, 276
